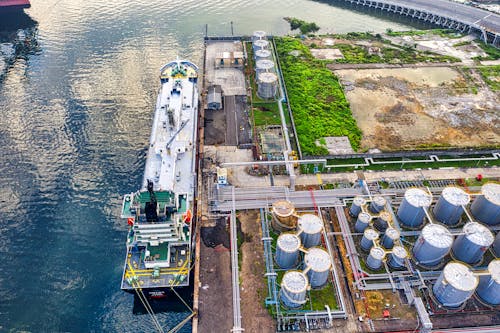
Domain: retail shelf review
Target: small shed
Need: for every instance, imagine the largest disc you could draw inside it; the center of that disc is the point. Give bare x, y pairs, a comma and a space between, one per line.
229, 59
214, 97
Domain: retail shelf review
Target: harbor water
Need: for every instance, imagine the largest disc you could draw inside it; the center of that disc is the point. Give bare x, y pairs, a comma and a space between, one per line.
77, 92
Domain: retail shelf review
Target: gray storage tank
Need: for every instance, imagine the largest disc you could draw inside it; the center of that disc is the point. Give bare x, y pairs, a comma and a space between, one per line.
448, 208
486, 207
496, 246
259, 34
383, 221
263, 66
267, 85
294, 287
317, 263
432, 245
368, 237
374, 260
378, 204
455, 285
472, 243
262, 55
310, 227
488, 289
362, 222
287, 250
356, 207
260, 44
390, 236
411, 211
397, 257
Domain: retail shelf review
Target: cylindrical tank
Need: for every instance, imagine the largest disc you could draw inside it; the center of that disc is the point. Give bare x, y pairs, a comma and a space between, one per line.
390, 236
486, 207
472, 243
263, 66
362, 222
397, 257
287, 250
496, 245
448, 208
374, 260
310, 227
455, 285
259, 34
267, 85
293, 291
317, 262
411, 211
383, 221
377, 204
262, 55
357, 203
283, 216
260, 44
488, 289
368, 237
432, 245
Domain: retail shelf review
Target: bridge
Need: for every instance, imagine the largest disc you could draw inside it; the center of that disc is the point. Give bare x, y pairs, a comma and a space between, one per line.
444, 13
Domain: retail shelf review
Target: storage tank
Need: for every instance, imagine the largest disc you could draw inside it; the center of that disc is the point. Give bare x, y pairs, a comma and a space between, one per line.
486, 207
448, 208
411, 211
283, 216
390, 236
267, 85
357, 203
362, 222
368, 237
262, 55
294, 287
472, 243
377, 204
383, 221
317, 263
287, 250
397, 257
496, 245
259, 34
488, 289
374, 260
432, 245
263, 66
310, 227
455, 285
260, 44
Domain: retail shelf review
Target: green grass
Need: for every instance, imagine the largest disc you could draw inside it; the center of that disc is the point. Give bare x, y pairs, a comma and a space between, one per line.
440, 32
491, 75
266, 114
492, 52
317, 100
321, 297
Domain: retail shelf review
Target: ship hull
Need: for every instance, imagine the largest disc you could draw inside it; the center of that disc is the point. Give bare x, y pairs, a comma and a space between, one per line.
11, 6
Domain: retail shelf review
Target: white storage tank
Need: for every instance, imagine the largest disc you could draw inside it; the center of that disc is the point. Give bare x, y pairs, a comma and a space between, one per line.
390, 236
267, 85
362, 222
260, 44
383, 221
374, 260
486, 207
496, 246
259, 34
449, 207
317, 263
356, 207
310, 227
368, 237
411, 211
432, 245
488, 289
455, 285
262, 55
472, 243
294, 287
287, 250
378, 204
263, 66
397, 257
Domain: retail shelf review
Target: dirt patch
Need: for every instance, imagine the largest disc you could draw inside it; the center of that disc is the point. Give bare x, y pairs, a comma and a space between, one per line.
409, 108
328, 54
215, 127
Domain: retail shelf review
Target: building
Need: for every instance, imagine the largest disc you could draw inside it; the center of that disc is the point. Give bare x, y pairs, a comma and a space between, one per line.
214, 97
234, 59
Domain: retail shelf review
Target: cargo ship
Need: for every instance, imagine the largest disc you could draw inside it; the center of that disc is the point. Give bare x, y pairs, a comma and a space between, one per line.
8, 6
160, 240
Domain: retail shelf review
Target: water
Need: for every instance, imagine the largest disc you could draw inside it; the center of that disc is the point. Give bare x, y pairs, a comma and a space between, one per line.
75, 120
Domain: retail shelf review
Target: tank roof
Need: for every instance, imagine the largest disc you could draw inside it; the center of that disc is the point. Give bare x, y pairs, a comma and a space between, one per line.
478, 234
359, 200
259, 33
437, 235
377, 252
491, 191
392, 233
460, 276
294, 281
379, 200
261, 43
317, 259
288, 242
267, 78
399, 251
370, 233
264, 64
455, 195
310, 224
283, 208
263, 53
494, 269
418, 197
365, 217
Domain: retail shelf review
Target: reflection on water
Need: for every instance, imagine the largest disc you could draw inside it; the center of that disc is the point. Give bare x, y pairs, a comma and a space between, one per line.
77, 105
